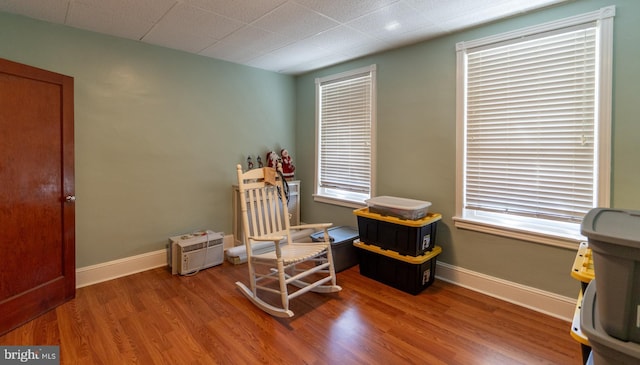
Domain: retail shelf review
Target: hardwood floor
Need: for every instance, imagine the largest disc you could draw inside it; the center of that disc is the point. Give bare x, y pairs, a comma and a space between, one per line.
156, 318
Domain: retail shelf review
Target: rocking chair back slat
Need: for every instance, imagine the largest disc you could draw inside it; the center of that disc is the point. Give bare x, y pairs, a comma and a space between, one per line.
265, 210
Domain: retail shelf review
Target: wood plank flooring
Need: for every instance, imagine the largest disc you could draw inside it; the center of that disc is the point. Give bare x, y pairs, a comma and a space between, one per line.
156, 318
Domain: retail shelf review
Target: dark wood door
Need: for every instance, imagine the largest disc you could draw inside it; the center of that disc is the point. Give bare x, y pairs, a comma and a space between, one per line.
37, 210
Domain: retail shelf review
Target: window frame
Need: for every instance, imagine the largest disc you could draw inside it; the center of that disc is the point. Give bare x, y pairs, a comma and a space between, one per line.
536, 230
336, 196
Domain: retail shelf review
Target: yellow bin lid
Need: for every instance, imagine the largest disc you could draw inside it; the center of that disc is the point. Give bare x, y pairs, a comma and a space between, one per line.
428, 219
394, 255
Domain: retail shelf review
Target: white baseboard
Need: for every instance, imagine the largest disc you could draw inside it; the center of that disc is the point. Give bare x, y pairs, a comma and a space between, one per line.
538, 300
94, 274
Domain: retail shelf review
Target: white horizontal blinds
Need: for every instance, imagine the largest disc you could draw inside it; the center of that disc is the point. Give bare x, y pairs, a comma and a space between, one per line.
530, 126
345, 133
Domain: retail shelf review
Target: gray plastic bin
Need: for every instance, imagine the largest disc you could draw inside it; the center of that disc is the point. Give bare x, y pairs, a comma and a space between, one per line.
605, 350
342, 249
614, 238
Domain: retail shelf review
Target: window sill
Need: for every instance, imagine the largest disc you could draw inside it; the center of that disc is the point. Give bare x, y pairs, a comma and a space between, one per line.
547, 237
338, 201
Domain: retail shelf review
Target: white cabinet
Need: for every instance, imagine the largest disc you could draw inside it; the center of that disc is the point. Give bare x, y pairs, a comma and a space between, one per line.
293, 206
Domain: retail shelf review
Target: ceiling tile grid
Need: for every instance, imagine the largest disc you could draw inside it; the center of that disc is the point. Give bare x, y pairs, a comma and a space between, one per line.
294, 19
190, 28
243, 10
255, 42
118, 22
346, 10
287, 36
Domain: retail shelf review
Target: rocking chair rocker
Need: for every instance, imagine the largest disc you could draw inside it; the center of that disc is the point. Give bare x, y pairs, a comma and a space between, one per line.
306, 266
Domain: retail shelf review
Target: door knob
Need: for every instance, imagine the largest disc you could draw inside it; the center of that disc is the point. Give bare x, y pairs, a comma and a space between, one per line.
70, 198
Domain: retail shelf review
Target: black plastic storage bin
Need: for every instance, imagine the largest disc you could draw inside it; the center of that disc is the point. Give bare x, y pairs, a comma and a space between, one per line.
407, 237
342, 250
411, 274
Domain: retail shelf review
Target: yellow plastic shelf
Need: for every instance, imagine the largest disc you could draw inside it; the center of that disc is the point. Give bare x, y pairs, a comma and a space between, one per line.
583, 264
428, 219
416, 260
576, 332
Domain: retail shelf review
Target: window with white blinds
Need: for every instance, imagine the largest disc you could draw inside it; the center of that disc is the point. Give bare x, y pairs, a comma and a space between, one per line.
532, 119
345, 119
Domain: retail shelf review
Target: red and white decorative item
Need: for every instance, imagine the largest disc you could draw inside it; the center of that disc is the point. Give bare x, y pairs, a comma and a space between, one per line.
272, 159
288, 167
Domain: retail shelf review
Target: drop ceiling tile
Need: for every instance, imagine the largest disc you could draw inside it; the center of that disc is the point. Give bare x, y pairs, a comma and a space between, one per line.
295, 20
53, 11
260, 33
270, 62
299, 52
289, 56
448, 7
415, 35
104, 21
339, 38
319, 62
246, 43
242, 10
145, 10
345, 10
177, 39
186, 19
388, 22
229, 52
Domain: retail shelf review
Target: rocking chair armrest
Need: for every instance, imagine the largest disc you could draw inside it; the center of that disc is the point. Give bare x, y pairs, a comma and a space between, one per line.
275, 239
313, 225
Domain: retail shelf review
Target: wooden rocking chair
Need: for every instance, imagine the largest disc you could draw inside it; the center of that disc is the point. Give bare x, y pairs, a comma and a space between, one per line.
265, 217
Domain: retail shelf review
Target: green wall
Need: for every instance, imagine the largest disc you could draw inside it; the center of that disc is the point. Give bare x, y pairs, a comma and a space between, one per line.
158, 133
416, 126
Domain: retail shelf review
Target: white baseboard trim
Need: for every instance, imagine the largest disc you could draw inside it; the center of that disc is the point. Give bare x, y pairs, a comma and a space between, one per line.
95, 274
539, 300
525, 296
